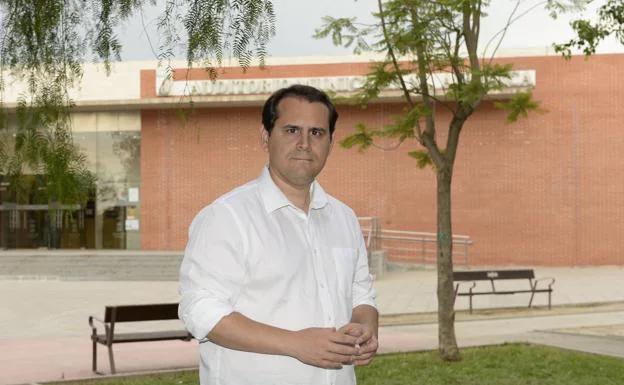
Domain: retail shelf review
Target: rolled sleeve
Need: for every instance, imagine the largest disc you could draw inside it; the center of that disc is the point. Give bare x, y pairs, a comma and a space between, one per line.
363, 291
213, 269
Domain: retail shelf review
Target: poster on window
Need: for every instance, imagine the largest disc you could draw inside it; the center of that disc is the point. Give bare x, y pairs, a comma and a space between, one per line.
132, 224
133, 194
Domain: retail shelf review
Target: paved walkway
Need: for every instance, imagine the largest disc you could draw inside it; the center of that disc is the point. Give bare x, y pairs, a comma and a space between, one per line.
44, 331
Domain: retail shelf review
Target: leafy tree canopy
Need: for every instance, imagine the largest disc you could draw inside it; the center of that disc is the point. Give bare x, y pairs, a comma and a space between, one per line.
590, 33
44, 44
431, 54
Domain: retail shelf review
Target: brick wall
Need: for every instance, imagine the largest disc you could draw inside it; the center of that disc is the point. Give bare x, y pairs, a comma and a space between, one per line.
547, 190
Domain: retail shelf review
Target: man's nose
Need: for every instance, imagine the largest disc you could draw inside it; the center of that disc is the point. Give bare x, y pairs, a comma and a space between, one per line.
303, 142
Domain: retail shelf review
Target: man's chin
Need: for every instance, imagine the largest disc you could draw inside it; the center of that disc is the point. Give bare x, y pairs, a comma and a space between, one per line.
301, 180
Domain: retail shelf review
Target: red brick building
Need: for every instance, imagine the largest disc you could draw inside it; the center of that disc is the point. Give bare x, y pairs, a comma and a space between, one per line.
547, 190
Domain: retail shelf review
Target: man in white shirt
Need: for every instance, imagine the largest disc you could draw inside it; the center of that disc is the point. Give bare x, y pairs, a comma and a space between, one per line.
275, 281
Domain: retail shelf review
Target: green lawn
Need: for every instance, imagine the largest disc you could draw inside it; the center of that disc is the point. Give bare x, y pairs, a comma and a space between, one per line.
512, 364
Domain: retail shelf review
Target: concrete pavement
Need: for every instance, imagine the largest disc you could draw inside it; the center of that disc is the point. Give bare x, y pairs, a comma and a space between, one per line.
536, 329
44, 334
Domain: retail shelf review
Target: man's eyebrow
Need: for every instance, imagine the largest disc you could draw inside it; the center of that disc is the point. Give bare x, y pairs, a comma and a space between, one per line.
297, 126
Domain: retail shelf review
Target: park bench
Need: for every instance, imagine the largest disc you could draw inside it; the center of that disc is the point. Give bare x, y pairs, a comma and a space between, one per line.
473, 276
133, 313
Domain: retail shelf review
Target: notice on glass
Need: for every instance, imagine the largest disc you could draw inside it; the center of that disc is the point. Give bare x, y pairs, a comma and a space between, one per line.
132, 224
133, 194
131, 212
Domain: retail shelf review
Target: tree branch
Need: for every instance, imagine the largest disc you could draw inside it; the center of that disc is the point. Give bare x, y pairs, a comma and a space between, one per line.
428, 136
471, 38
395, 62
436, 99
149, 40
503, 31
453, 139
391, 148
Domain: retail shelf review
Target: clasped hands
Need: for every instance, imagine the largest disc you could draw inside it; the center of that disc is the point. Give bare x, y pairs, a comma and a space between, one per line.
352, 344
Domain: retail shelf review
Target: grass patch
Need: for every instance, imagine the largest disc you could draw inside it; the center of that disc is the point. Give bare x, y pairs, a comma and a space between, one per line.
510, 364
190, 377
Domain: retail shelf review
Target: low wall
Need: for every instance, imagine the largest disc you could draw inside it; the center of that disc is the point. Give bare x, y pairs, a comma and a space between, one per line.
91, 265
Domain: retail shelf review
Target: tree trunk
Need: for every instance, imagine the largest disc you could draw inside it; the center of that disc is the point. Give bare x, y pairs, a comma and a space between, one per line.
55, 233
446, 295
52, 230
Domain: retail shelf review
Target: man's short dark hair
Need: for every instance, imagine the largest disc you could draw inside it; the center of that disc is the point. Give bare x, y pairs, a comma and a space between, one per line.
308, 93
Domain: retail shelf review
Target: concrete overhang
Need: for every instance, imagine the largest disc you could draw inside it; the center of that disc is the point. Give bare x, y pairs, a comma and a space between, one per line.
254, 92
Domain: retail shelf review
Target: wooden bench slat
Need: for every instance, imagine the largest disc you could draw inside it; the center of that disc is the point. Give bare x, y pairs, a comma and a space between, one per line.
146, 336
503, 292
486, 275
136, 313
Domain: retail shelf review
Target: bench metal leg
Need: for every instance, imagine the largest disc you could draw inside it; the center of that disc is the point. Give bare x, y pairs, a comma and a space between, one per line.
549, 294
531, 300
533, 287
111, 359
94, 357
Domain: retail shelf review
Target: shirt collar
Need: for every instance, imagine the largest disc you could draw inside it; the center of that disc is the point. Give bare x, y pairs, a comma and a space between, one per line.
274, 199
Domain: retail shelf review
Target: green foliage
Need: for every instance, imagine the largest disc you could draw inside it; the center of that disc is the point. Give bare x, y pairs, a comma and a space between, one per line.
55, 36
44, 44
216, 26
494, 75
483, 80
42, 34
557, 7
4, 156
381, 75
423, 159
186, 377
67, 179
345, 32
421, 39
431, 60
403, 127
589, 34
520, 105
44, 147
363, 138
509, 364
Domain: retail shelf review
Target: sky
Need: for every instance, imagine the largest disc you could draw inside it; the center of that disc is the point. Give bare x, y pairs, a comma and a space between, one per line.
298, 19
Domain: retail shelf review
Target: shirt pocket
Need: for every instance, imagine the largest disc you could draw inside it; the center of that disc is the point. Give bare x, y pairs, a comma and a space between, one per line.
345, 260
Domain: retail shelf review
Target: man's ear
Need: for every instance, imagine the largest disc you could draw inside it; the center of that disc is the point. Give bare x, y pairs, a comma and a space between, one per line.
264, 138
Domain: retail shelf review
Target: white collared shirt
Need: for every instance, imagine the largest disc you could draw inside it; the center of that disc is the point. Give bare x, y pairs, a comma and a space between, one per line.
254, 252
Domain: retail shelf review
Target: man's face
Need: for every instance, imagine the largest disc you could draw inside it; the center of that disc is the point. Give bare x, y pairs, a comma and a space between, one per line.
299, 142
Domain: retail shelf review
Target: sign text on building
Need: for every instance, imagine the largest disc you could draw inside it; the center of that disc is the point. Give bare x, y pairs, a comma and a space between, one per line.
438, 82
